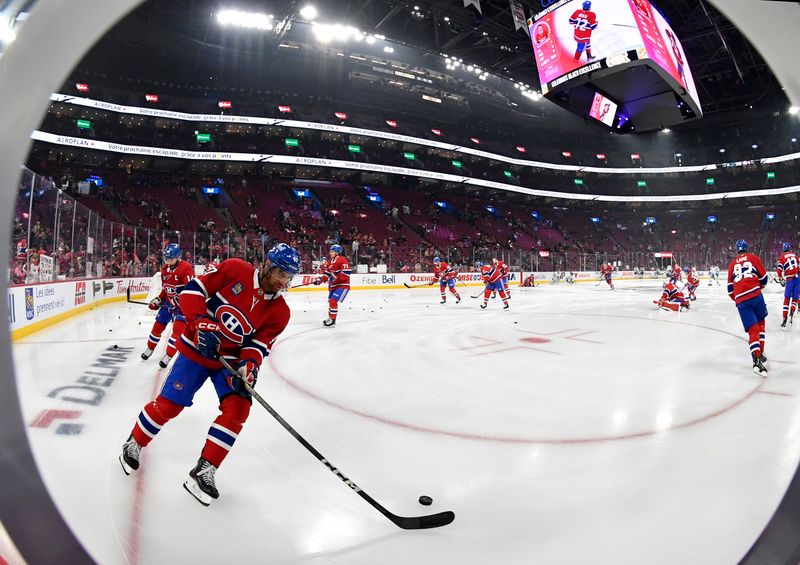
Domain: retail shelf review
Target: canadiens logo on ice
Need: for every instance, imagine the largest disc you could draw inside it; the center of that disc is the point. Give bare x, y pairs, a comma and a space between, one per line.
233, 324
237, 289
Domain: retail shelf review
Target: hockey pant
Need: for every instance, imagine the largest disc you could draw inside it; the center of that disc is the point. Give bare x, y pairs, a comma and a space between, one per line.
166, 315
444, 285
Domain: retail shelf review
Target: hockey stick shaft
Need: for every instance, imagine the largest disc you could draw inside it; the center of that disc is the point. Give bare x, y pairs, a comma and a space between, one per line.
135, 301
416, 285
407, 523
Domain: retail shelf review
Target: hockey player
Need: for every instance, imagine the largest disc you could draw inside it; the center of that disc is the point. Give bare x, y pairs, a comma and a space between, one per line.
235, 312
676, 274
789, 271
504, 270
672, 298
605, 272
584, 21
569, 278
692, 282
175, 274
337, 274
713, 275
746, 278
492, 277
446, 275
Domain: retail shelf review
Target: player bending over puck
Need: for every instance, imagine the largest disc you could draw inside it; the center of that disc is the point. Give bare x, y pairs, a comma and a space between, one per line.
492, 277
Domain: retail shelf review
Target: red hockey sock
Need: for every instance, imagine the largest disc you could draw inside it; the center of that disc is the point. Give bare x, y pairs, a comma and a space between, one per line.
152, 418
333, 309
762, 326
155, 335
177, 330
753, 333
487, 294
223, 432
455, 292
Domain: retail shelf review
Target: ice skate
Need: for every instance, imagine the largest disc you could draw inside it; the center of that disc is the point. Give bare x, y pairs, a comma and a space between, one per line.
201, 482
129, 459
443, 301
783, 323
458, 299
328, 323
147, 353
164, 361
758, 366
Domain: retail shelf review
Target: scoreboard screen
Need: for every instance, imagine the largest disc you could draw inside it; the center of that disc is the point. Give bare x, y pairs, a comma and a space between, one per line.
572, 38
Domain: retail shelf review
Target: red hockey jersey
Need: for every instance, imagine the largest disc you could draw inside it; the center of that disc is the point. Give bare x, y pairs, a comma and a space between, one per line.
250, 318
606, 270
746, 277
444, 272
490, 274
671, 292
338, 273
174, 280
692, 279
788, 266
584, 22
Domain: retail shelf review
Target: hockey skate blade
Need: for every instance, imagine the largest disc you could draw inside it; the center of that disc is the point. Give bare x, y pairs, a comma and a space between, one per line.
763, 374
125, 467
193, 489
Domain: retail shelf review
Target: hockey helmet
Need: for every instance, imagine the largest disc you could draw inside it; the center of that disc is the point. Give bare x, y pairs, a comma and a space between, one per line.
787, 246
336, 248
741, 245
479, 264
285, 257
437, 260
172, 251
587, 5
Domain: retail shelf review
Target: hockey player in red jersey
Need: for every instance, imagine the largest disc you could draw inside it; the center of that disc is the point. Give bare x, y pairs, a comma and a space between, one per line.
672, 299
676, 274
504, 271
605, 271
746, 278
175, 274
236, 312
788, 270
446, 275
492, 277
692, 282
585, 22
337, 273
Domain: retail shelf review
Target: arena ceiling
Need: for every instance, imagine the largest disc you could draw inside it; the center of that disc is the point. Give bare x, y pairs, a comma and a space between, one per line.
730, 73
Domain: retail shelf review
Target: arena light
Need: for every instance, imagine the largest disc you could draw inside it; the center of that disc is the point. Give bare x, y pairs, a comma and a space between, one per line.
754, 146
354, 148
291, 142
666, 130
436, 132
508, 174
641, 183
285, 109
440, 204
601, 156
475, 140
566, 154
595, 220
340, 115
326, 33
7, 35
489, 209
722, 150
770, 217
650, 220
246, 20
635, 156
457, 164
151, 98
535, 214
544, 253
712, 219
82, 87
224, 104
84, 124
408, 155
793, 110
770, 175
308, 13
710, 181
578, 182
203, 137
391, 123
521, 149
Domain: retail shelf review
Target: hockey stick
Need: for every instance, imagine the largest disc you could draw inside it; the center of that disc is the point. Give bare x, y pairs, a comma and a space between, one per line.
416, 285
135, 301
407, 523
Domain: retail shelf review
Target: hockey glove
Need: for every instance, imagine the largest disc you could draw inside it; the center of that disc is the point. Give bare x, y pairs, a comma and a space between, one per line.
248, 371
207, 337
155, 304
318, 281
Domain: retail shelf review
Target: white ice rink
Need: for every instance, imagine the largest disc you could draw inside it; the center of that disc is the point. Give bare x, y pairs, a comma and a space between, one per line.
582, 426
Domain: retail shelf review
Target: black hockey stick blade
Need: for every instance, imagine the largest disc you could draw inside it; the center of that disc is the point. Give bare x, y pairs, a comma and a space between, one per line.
423, 522
128, 293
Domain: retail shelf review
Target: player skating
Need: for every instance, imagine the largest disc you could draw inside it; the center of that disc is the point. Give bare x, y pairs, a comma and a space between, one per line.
569, 278
492, 277
504, 271
585, 22
789, 271
235, 312
713, 275
676, 274
175, 274
605, 273
692, 282
746, 278
337, 274
672, 298
446, 275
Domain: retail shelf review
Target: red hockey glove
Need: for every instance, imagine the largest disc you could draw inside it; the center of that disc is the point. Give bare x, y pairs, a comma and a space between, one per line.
248, 371
155, 304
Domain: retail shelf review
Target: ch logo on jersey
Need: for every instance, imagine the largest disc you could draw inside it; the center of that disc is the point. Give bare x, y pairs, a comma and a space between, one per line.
233, 324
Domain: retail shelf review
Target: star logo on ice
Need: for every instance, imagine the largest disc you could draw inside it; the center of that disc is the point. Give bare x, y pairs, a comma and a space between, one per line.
530, 342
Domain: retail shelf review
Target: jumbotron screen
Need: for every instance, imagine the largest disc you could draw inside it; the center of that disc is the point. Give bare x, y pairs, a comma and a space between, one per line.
573, 37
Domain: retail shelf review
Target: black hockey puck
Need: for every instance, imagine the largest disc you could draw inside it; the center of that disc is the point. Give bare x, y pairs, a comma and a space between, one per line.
116, 346
425, 500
